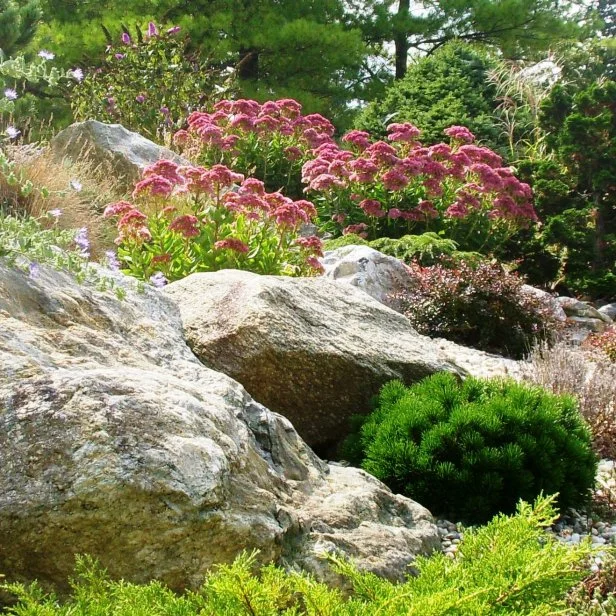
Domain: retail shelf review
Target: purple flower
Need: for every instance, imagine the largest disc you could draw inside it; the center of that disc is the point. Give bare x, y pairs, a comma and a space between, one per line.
119, 56
82, 242
140, 98
46, 55
12, 132
34, 270
152, 29
164, 110
112, 260
158, 280
111, 101
10, 94
55, 213
126, 38
77, 74
174, 30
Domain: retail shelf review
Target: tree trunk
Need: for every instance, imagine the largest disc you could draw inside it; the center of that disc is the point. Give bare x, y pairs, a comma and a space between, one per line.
248, 67
401, 39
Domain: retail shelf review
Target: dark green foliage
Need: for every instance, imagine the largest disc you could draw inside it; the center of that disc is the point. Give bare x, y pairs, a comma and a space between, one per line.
575, 189
472, 449
478, 305
449, 87
18, 22
511, 566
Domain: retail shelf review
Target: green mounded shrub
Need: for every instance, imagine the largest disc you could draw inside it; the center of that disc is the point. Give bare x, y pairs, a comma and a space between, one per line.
478, 305
510, 566
427, 248
473, 449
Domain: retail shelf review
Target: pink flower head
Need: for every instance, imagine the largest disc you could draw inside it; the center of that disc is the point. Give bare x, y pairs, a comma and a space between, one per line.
290, 215
293, 153
311, 244
382, 153
364, 170
181, 138
394, 213
166, 169
325, 181
372, 207
307, 207
323, 125
242, 121
132, 218
228, 142
252, 186
186, 225
404, 133
457, 210
339, 218
313, 168
223, 177
315, 138
266, 123
358, 229
460, 133
359, 138
197, 180
395, 179
231, 244
245, 107
153, 185
117, 209
427, 209
140, 98
289, 108
315, 264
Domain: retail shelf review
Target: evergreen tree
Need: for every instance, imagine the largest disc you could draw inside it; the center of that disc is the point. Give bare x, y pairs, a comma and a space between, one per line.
18, 22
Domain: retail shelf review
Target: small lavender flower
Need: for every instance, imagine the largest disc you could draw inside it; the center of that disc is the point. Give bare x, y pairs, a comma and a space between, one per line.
33, 270
112, 260
140, 98
158, 280
164, 110
76, 185
46, 55
82, 242
119, 56
12, 132
10, 94
77, 74
126, 38
152, 29
55, 213
174, 30
111, 101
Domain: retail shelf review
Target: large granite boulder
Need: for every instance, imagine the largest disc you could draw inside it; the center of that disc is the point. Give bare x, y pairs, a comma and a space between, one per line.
583, 319
126, 152
117, 442
311, 349
609, 310
375, 273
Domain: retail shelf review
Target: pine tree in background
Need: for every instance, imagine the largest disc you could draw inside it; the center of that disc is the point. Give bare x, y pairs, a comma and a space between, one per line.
18, 22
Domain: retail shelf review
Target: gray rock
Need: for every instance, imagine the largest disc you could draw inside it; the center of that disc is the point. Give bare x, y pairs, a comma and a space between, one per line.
609, 310
576, 308
557, 310
373, 272
311, 349
128, 153
117, 442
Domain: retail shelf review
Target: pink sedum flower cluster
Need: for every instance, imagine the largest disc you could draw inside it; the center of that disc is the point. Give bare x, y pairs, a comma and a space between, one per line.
188, 218
363, 187
270, 140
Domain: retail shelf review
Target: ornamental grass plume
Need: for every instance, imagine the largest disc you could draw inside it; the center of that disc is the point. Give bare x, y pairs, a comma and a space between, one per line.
185, 219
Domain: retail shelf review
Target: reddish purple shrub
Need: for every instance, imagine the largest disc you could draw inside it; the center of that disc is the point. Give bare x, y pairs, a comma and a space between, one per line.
480, 306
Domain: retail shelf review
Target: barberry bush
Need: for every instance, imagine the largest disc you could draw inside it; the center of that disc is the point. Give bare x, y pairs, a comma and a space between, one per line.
478, 305
183, 220
377, 189
149, 82
471, 450
269, 141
